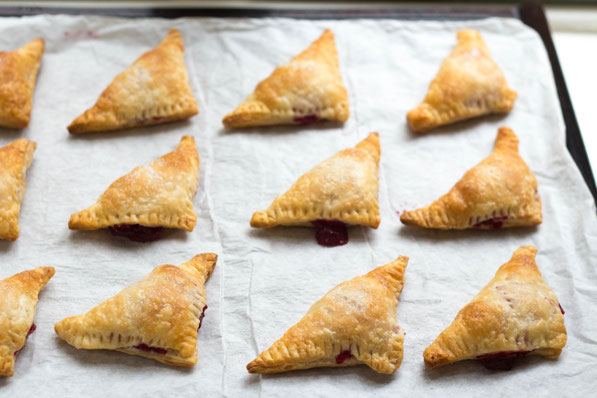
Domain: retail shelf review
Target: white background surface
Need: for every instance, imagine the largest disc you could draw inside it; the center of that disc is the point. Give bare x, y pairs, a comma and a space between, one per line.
266, 280
574, 31
577, 52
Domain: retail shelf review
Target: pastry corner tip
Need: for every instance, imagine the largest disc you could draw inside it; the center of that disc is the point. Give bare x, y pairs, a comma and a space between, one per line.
419, 119
46, 272
260, 220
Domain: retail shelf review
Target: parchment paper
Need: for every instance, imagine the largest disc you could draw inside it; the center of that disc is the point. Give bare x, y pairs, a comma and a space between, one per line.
265, 280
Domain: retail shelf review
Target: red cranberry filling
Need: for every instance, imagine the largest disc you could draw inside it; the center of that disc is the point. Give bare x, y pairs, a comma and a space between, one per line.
201, 317
343, 356
503, 360
492, 223
136, 232
561, 309
154, 119
330, 233
31, 330
305, 119
147, 348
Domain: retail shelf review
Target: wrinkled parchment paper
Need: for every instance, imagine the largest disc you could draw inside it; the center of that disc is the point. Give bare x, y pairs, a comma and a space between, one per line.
265, 280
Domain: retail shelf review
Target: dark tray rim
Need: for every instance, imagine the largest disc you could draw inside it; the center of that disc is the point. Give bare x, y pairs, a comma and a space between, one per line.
530, 13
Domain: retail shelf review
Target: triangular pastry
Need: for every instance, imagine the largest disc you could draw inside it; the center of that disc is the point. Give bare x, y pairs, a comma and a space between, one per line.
306, 89
159, 194
516, 314
18, 74
469, 83
18, 297
15, 158
340, 190
501, 191
154, 89
156, 318
353, 324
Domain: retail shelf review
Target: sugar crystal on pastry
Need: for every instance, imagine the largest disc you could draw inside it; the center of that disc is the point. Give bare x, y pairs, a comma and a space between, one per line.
499, 192
154, 89
340, 190
15, 159
158, 317
355, 323
18, 298
306, 89
516, 314
159, 194
469, 84
18, 75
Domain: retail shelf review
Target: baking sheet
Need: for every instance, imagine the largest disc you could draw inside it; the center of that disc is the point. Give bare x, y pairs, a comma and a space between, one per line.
265, 280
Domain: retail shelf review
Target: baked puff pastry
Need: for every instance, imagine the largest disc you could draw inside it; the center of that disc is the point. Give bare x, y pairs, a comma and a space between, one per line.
340, 190
159, 194
154, 89
156, 318
18, 297
515, 315
306, 89
469, 84
353, 324
18, 74
15, 159
501, 191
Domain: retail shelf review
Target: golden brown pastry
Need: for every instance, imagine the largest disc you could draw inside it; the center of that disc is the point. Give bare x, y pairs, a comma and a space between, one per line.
15, 158
515, 315
18, 74
469, 83
306, 89
156, 318
353, 324
18, 297
154, 89
159, 194
340, 190
501, 191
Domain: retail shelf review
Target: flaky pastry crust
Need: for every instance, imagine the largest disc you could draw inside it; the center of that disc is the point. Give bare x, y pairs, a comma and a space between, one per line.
15, 159
515, 312
154, 89
308, 86
161, 311
18, 297
159, 194
343, 187
469, 84
356, 320
18, 74
501, 191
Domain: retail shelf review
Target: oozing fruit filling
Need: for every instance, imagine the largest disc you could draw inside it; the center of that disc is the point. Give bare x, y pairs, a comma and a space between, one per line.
201, 317
31, 330
561, 309
146, 348
153, 119
162, 351
503, 360
492, 223
136, 232
305, 119
343, 356
330, 233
